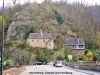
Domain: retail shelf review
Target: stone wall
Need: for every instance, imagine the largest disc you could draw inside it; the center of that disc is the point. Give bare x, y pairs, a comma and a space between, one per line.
85, 66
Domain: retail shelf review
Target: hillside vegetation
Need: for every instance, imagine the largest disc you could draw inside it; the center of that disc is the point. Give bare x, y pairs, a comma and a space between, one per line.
78, 20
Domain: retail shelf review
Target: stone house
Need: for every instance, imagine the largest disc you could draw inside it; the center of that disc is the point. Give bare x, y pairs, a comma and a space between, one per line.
75, 46
41, 40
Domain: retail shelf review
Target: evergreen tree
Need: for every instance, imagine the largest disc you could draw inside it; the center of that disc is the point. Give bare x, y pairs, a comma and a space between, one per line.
29, 30
95, 58
58, 17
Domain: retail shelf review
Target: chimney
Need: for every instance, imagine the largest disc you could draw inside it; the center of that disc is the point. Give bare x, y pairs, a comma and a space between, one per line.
41, 32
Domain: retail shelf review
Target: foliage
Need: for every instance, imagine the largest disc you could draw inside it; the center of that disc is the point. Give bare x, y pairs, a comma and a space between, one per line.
66, 53
27, 58
85, 52
29, 30
75, 58
85, 58
0, 20
97, 53
58, 17
59, 57
98, 39
75, 18
10, 62
42, 58
89, 54
15, 49
80, 58
94, 58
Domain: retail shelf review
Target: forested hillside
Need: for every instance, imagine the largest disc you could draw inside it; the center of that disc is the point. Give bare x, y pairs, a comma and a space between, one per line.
78, 21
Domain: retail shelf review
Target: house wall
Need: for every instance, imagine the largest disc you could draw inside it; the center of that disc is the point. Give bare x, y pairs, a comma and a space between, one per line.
41, 43
78, 52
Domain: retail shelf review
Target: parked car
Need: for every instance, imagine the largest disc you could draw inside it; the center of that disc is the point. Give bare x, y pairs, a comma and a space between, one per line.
58, 64
38, 63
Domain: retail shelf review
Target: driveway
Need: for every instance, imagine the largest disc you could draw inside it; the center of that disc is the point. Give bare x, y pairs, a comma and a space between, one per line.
51, 70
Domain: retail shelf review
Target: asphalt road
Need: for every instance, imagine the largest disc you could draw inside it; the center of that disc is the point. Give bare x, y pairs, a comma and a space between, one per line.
51, 70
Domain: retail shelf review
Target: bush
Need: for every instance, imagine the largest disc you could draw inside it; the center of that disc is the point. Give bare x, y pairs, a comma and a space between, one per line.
85, 58
10, 62
75, 58
66, 53
95, 58
42, 58
59, 57
85, 52
80, 58
89, 54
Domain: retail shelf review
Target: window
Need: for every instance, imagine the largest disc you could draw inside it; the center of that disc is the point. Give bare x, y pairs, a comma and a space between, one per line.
80, 46
74, 46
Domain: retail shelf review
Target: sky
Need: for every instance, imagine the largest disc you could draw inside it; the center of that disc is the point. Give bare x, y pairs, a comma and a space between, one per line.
9, 2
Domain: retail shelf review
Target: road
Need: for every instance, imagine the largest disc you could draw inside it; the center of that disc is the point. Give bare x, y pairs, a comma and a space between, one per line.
51, 70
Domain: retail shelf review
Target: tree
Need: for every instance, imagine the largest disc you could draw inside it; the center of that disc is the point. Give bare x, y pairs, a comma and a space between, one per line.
98, 39
29, 30
42, 58
66, 53
59, 57
58, 17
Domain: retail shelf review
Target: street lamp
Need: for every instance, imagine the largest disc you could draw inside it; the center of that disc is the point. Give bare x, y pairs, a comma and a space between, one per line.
2, 50
14, 1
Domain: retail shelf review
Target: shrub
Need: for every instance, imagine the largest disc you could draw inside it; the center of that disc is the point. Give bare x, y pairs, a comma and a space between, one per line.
10, 62
85, 58
85, 52
80, 58
75, 58
89, 54
95, 58
59, 57
42, 58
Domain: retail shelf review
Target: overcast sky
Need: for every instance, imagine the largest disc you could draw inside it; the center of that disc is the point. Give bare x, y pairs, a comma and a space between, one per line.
7, 2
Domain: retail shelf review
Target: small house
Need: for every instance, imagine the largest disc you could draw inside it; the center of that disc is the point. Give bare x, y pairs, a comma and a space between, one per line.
41, 40
75, 46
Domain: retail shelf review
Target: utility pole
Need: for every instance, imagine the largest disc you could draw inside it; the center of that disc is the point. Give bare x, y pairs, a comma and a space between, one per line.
2, 48
2, 39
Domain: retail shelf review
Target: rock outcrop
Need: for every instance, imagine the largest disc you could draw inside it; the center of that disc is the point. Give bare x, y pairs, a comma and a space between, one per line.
20, 21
